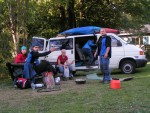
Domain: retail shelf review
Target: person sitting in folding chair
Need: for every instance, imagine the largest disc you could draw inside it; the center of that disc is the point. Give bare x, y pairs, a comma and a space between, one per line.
33, 67
16, 69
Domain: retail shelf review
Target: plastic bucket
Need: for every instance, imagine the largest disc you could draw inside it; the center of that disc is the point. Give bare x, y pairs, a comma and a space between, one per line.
115, 84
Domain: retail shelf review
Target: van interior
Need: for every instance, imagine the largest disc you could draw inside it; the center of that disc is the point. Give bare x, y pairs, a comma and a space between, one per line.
80, 59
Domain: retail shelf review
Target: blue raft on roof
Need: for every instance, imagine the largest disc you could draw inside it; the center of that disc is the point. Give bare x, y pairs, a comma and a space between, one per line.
81, 31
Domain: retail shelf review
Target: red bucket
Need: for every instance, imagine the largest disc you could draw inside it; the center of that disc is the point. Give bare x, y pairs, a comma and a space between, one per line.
115, 84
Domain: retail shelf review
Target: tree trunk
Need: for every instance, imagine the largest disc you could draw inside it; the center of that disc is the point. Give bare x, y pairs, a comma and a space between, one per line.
13, 28
82, 12
71, 14
62, 18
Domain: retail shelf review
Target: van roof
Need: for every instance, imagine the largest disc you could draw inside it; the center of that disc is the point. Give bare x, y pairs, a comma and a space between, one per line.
82, 35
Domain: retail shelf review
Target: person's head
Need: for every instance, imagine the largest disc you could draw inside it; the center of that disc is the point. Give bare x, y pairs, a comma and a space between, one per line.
35, 47
63, 52
23, 49
103, 32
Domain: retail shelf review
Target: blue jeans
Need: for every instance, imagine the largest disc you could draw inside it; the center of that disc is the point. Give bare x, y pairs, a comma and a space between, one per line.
88, 52
104, 65
61, 69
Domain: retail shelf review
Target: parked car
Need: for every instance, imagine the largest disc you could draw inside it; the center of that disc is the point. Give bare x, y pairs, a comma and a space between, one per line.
125, 57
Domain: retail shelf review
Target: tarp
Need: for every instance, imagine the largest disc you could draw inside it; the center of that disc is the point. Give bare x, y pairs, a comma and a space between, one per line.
93, 76
86, 30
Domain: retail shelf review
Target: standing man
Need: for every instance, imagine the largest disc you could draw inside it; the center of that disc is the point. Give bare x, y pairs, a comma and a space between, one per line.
104, 51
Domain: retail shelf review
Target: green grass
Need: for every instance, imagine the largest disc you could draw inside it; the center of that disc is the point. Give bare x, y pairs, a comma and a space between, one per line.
92, 97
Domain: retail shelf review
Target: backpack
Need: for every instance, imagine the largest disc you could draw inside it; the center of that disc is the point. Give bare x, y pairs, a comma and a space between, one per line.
23, 83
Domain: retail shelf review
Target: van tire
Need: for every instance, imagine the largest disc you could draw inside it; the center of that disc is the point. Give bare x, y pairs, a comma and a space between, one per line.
127, 67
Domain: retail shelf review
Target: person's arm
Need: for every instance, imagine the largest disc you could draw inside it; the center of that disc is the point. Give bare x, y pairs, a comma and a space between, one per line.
108, 45
96, 52
37, 54
107, 51
67, 63
59, 63
91, 43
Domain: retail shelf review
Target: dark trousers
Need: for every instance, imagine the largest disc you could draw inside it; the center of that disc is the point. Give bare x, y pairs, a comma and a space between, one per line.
45, 66
87, 52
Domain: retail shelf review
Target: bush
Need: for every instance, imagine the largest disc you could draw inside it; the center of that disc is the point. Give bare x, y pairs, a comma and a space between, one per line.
148, 55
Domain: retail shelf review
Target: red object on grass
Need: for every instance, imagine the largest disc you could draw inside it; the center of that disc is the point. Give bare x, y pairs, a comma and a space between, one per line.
115, 84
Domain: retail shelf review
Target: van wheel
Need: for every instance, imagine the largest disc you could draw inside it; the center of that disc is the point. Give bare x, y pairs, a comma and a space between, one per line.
127, 67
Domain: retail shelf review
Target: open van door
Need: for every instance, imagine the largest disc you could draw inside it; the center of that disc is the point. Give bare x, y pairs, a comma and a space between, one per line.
60, 43
42, 42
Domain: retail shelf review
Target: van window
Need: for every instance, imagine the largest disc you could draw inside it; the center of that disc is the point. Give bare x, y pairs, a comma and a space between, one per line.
115, 42
40, 42
62, 44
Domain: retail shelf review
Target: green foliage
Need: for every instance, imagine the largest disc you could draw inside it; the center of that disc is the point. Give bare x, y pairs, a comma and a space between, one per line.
47, 18
148, 54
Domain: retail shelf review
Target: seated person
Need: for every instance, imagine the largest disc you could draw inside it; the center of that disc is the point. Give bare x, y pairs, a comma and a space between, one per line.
62, 62
21, 57
87, 50
32, 66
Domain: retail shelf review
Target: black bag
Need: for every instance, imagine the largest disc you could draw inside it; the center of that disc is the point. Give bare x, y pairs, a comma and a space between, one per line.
23, 83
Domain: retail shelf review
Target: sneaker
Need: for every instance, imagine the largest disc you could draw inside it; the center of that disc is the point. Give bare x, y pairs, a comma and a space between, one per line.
106, 82
70, 78
64, 79
58, 83
33, 86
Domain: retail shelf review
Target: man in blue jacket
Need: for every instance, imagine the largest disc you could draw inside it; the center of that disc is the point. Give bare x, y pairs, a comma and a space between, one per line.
104, 51
32, 66
87, 50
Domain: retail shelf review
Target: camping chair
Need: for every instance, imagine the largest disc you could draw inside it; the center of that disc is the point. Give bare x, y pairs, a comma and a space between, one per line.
15, 70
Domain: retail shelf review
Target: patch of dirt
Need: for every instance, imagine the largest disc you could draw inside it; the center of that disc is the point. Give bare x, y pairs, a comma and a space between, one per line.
12, 95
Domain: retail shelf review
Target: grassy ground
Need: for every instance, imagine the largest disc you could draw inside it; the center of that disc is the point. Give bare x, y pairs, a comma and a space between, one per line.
92, 97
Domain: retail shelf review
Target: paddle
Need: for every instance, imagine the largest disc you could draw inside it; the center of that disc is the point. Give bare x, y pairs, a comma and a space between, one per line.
123, 79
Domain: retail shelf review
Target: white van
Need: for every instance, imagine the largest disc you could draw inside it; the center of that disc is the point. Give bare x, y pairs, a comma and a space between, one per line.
126, 57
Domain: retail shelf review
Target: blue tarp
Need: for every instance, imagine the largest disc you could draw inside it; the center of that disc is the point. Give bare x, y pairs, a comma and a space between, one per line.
81, 30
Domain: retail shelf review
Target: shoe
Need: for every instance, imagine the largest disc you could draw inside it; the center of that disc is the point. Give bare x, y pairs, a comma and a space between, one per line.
64, 79
106, 82
70, 78
15, 86
33, 86
57, 83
